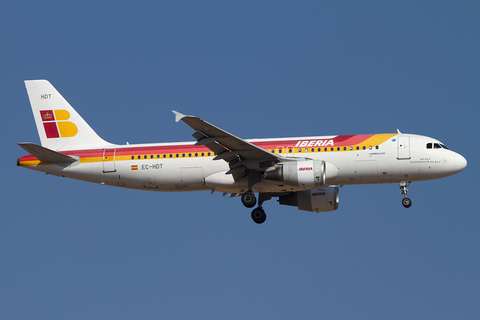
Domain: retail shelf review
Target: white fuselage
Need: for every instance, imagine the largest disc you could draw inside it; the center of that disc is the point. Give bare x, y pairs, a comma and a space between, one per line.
403, 157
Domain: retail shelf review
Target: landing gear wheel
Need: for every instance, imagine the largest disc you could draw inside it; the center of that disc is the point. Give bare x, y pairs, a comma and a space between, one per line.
406, 202
258, 215
248, 199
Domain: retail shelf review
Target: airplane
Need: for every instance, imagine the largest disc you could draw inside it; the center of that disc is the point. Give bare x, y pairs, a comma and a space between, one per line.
304, 172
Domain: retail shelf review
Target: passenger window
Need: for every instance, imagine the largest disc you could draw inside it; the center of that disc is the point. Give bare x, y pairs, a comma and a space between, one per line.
133, 157
289, 150
151, 156
351, 148
344, 148
358, 148
325, 149
332, 148
145, 157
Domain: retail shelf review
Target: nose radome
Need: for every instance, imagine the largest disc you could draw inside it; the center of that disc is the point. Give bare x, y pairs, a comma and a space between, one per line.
460, 162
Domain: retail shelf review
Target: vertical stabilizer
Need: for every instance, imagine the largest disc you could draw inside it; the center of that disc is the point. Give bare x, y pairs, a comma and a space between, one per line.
59, 126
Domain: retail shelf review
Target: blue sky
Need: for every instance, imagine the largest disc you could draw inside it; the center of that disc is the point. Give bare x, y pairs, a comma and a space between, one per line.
73, 250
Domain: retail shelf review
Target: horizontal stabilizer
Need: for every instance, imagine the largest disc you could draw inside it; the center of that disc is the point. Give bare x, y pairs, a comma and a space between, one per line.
45, 154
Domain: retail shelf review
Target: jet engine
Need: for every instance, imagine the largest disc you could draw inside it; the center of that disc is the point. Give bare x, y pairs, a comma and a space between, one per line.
316, 200
306, 174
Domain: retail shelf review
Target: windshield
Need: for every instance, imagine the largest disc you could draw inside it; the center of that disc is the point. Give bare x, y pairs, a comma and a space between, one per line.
431, 145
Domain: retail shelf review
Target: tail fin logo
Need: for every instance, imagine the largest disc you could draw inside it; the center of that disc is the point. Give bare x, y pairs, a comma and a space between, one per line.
55, 125
47, 116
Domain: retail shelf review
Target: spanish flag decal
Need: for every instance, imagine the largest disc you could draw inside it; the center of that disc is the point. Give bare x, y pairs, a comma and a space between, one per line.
134, 167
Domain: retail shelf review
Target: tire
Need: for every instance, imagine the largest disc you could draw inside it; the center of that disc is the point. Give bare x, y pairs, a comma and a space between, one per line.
258, 215
249, 200
406, 202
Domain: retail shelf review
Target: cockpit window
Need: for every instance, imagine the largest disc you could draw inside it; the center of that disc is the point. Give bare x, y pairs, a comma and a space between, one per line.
436, 146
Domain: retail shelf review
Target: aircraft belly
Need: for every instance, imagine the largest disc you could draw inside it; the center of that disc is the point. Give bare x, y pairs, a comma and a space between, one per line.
176, 175
354, 168
366, 171
187, 175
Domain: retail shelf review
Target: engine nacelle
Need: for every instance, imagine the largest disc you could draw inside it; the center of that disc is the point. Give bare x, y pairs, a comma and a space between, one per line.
305, 174
317, 200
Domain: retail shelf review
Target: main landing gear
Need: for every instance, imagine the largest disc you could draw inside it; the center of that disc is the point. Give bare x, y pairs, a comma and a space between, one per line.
249, 200
258, 215
405, 201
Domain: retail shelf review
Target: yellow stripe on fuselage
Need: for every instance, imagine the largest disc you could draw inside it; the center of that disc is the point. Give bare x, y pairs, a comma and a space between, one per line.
33, 163
91, 159
377, 139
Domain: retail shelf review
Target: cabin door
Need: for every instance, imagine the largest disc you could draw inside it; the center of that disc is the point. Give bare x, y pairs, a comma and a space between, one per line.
403, 147
109, 160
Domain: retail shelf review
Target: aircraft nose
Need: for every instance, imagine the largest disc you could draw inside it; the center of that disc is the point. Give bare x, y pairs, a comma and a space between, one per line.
460, 162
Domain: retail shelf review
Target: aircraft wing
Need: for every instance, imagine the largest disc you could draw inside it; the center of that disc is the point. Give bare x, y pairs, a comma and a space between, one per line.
226, 146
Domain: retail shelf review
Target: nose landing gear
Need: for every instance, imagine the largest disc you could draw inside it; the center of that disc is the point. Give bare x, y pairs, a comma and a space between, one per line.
406, 202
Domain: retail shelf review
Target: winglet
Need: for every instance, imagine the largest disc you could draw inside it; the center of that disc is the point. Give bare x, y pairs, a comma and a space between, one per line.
178, 115
399, 131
